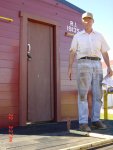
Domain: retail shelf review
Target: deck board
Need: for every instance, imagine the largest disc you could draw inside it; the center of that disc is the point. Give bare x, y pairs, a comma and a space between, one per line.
31, 138
49, 142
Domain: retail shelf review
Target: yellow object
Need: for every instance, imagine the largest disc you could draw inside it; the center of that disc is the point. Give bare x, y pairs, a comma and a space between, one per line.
6, 19
106, 104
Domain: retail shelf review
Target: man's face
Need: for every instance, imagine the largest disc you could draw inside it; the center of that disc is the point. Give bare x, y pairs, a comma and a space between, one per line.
87, 22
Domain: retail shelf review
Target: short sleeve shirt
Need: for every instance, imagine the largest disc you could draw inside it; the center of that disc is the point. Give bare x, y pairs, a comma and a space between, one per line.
91, 45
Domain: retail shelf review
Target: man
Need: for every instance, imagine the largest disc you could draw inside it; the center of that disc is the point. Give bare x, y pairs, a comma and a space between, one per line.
88, 46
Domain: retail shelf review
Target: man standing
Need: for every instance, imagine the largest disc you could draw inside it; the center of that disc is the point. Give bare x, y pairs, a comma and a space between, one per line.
88, 46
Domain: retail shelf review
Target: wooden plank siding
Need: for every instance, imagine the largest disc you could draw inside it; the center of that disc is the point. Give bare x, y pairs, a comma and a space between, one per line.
9, 54
9, 65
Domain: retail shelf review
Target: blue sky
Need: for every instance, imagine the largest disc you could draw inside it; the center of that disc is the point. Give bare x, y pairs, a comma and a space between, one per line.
103, 16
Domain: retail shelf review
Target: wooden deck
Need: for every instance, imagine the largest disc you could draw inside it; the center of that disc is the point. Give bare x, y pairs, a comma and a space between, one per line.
56, 137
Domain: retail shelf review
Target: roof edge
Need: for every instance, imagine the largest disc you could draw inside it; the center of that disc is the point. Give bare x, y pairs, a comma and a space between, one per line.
71, 6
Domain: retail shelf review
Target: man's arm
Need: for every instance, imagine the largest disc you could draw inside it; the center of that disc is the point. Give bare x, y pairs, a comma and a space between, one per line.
71, 60
106, 59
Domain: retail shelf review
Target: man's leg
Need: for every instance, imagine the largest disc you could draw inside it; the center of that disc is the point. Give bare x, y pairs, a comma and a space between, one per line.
97, 96
84, 82
97, 91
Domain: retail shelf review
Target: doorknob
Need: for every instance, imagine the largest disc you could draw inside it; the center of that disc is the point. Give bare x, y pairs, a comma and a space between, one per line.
29, 51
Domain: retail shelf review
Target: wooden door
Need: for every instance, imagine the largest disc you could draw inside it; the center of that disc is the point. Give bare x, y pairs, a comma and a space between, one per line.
40, 72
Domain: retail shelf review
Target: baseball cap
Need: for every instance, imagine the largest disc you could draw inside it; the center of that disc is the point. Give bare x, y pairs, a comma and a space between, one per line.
87, 14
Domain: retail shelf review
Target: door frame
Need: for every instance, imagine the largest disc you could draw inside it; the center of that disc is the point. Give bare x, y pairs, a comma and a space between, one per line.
24, 18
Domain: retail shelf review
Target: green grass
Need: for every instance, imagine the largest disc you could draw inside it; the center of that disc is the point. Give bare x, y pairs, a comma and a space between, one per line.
110, 116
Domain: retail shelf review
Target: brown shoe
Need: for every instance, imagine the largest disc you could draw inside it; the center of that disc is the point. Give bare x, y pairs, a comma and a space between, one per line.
85, 128
98, 125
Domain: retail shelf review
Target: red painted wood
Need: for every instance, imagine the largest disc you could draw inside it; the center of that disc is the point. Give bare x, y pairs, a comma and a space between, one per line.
8, 95
9, 34
9, 26
8, 75
8, 87
9, 64
9, 56
6, 122
7, 12
9, 41
8, 102
9, 47
7, 110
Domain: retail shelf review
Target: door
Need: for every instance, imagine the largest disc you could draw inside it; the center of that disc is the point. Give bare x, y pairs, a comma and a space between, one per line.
40, 72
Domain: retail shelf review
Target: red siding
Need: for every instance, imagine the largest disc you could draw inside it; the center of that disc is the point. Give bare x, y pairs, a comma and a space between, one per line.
9, 50
9, 64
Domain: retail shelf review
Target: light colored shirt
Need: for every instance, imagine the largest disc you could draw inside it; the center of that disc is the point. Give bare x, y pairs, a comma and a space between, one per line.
91, 45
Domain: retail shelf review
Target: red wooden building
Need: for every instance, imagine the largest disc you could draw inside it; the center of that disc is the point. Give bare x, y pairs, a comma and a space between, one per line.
34, 51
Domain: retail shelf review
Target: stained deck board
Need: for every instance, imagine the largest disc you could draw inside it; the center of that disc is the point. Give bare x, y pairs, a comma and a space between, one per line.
50, 137
110, 147
48, 142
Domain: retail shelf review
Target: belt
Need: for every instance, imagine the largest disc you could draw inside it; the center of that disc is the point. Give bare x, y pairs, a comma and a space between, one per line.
91, 58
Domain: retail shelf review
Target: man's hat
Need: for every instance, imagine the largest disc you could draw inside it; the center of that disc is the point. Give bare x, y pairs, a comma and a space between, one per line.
87, 14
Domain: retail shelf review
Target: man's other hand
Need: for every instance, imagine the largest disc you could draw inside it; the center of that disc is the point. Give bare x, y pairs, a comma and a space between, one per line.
109, 72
